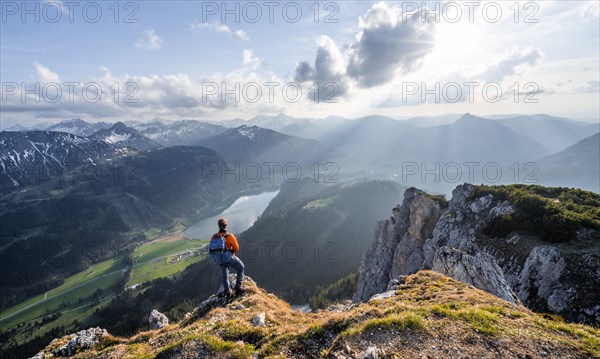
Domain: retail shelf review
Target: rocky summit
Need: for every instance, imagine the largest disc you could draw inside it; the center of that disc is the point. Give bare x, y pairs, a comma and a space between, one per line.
428, 315
520, 243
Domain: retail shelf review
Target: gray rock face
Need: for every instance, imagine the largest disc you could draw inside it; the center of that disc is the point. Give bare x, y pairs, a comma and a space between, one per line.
397, 248
157, 320
480, 271
83, 339
540, 279
520, 267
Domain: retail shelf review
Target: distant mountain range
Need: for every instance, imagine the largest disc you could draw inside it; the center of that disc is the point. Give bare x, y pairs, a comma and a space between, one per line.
29, 158
77, 127
576, 166
554, 133
246, 144
375, 144
121, 135
180, 133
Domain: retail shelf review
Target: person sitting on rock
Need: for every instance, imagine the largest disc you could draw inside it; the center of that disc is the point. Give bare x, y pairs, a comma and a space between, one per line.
223, 247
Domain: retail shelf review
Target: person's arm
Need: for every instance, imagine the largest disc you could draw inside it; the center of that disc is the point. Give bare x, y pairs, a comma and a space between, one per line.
232, 243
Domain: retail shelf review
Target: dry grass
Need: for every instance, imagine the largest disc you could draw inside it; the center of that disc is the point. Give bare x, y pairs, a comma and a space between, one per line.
430, 313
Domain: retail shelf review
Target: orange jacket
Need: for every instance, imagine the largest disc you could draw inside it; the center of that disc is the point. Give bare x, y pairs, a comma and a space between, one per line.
230, 241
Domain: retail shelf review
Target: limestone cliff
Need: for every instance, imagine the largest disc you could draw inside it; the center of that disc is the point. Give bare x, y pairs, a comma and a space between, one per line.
453, 238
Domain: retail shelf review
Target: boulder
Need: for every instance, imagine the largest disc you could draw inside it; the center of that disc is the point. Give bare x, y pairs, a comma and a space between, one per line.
81, 340
259, 320
157, 320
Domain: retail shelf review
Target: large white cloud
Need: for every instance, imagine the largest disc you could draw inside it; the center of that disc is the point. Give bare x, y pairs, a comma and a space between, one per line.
328, 68
389, 43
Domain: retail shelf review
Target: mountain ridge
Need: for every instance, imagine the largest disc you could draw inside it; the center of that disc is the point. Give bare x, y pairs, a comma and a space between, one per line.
429, 314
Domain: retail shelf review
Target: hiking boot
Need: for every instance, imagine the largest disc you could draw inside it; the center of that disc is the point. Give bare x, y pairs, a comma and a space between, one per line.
239, 291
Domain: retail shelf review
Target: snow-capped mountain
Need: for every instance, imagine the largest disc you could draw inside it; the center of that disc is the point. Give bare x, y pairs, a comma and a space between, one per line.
32, 157
78, 127
181, 133
121, 135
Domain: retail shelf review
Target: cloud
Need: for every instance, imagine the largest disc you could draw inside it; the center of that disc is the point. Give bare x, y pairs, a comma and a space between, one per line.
176, 95
250, 60
329, 67
59, 4
149, 41
222, 28
589, 10
44, 75
458, 86
389, 43
508, 65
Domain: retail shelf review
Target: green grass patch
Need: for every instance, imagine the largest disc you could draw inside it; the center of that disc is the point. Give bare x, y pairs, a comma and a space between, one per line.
402, 322
90, 274
152, 233
66, 300
236, 330
159, 260
588, 337
153, 270
235, 350
481, 321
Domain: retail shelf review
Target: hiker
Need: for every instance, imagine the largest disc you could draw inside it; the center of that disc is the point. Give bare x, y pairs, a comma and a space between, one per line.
223, 247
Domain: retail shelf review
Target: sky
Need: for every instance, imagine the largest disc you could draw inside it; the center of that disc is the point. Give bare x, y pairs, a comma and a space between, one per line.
111, 61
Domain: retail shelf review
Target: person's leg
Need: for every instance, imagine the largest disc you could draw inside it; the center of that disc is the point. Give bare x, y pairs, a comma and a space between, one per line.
237, 264
225, 278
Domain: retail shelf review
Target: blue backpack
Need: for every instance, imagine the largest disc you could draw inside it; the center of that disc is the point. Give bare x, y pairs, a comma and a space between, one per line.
218, 249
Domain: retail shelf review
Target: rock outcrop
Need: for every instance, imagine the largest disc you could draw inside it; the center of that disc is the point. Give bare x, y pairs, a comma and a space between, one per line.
426, 233
157, 320
74, 343
398, 245
480, 271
